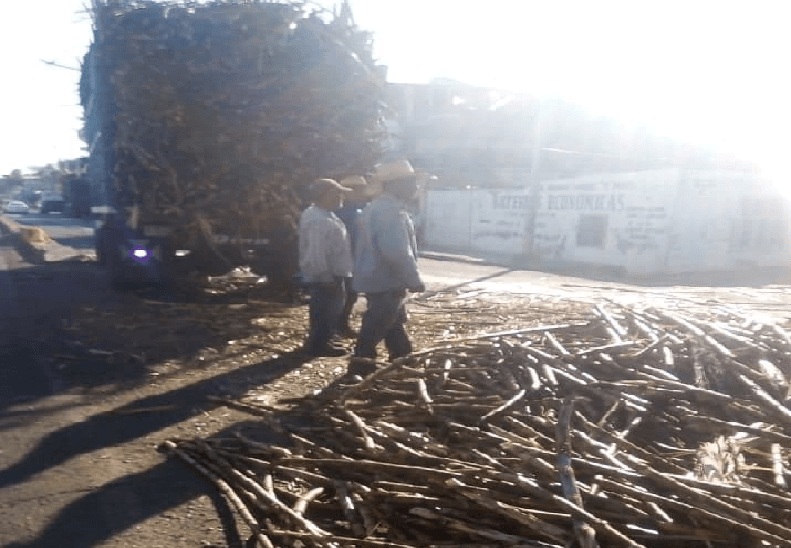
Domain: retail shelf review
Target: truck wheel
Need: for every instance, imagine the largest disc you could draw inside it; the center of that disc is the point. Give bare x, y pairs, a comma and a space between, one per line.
116, 273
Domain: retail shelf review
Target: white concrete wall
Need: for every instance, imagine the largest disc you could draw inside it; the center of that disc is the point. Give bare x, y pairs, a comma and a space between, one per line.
446, 220
631, 208
646, 222
728, 221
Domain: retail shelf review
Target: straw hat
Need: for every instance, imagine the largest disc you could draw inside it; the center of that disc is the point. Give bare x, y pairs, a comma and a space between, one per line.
322, 186
397, 170
353, 182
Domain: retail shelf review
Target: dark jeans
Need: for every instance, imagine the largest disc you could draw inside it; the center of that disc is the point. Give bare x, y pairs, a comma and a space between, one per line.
384, 320
348, 305
326, 304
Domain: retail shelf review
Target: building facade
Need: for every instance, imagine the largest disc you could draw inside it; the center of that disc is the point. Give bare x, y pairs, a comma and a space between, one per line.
645, 222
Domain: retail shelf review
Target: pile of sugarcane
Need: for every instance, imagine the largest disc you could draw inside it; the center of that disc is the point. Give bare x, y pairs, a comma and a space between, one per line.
621, 427
222, 111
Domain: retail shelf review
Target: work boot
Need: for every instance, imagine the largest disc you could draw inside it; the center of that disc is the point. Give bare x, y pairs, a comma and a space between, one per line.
346, 332
326, 351
361, 366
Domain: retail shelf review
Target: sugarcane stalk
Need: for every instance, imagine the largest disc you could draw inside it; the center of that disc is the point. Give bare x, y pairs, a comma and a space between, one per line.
504, 407
780, 410
270, 499
700, 496
369, 443
586, 535
727, 521
619, 332
301, 504
556, 344
225, 489
479, 496
777, 466
336, 539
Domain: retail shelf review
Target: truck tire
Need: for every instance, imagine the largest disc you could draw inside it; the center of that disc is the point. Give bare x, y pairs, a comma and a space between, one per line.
117, 273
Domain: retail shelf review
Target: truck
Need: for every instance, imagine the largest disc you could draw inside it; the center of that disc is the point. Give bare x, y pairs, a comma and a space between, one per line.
206, 123
76, 196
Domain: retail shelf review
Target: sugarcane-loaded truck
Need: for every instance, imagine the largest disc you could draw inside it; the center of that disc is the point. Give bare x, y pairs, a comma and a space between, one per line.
206, 123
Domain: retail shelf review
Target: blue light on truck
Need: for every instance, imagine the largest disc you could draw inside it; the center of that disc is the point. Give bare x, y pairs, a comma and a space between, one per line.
140, 254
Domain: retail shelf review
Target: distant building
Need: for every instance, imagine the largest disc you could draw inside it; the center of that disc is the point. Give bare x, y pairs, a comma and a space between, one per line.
483, 137
644, 223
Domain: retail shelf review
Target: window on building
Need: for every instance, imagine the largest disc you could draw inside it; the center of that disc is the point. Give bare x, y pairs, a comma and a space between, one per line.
591, 230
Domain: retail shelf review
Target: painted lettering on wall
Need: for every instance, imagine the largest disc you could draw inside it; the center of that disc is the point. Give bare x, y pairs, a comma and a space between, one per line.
587, 202
511, 202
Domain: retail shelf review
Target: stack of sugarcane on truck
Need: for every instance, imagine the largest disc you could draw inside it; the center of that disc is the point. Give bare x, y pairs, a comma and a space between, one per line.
207, 123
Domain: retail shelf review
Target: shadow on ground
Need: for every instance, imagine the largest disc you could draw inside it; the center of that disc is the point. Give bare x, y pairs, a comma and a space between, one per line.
119, 505
141, 417
123, 503
62, 326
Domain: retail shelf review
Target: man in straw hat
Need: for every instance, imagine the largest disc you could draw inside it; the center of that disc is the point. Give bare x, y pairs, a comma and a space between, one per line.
350, 213
385, 265
325, 261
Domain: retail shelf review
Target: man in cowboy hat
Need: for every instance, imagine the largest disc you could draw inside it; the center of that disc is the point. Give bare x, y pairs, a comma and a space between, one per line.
385, 266
350, 213
325, 261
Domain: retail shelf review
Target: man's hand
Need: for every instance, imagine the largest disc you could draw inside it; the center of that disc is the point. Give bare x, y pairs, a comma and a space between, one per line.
418, 288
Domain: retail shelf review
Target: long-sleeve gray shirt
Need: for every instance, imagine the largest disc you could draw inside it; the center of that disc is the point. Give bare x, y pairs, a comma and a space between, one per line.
386, 253
324, 249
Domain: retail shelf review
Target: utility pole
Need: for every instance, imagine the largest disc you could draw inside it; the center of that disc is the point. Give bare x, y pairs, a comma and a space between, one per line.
528, 249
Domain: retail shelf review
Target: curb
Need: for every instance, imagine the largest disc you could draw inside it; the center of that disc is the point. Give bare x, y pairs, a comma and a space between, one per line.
442, 256
36, 246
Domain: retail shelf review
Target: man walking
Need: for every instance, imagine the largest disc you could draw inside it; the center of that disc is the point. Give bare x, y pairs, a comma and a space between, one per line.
325, 261
386, 265
350, 213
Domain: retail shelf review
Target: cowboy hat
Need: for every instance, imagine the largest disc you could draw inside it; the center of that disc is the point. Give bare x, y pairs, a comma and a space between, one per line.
322, 186
397, 170
353, 182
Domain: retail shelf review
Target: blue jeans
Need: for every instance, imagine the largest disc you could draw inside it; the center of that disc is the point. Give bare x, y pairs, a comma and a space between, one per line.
325, 308
384, 320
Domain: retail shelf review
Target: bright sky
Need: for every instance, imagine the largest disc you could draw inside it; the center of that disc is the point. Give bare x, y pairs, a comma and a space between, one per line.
710, 72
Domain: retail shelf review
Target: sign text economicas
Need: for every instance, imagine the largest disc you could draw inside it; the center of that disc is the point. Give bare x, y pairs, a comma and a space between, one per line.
587, 202
511, 202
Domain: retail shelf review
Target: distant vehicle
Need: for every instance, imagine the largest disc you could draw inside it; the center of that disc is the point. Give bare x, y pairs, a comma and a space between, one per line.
15, 206
77, 195
51, 204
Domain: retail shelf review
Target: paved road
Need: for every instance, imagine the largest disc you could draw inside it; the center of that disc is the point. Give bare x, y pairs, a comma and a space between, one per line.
77, 233
34, 300
22, 374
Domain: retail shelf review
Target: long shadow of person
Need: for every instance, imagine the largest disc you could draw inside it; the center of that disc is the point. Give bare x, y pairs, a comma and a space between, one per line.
129, 500
132, 499
135, 420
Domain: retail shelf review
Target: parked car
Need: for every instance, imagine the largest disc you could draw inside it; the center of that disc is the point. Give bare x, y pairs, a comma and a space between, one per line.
15, 206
